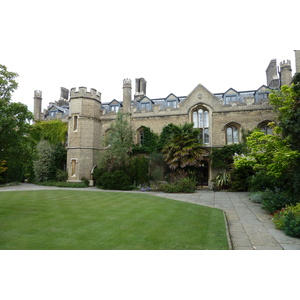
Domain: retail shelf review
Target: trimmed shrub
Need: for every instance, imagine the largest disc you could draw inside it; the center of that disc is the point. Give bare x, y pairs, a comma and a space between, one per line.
117, 180
291, 224
257, 197
276, 200
63, 184
184, 185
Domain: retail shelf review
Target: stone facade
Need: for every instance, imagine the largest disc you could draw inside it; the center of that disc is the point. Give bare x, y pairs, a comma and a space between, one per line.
221, 117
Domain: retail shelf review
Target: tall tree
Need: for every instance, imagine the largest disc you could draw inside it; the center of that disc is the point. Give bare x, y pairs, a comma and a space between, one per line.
120, 144
14, 129
184, 148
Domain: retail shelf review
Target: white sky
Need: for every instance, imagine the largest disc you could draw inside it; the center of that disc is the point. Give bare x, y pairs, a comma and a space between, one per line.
174, 45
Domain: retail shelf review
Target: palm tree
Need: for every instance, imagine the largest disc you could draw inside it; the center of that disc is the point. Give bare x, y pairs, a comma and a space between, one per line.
184, 148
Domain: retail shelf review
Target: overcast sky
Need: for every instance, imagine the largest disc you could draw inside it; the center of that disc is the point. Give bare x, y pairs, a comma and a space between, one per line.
174, 45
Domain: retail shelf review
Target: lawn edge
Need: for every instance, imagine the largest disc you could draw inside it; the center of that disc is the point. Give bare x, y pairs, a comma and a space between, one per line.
230, 245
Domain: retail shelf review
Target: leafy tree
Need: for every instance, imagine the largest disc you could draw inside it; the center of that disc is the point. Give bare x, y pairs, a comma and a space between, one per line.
120, 144
7, 84
44, 167
184, 148
14, 129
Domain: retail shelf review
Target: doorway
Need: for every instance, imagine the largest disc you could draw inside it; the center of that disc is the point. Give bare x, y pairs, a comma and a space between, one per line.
203, 173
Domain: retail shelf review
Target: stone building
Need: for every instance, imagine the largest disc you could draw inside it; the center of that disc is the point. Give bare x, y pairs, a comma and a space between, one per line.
221, 117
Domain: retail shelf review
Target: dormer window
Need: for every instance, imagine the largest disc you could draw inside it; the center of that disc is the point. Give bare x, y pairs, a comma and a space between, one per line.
115, 108
145, 105
262, 96
231, 99
172, 103
53, 113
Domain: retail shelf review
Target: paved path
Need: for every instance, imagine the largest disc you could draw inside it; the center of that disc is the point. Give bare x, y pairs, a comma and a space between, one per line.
250, 227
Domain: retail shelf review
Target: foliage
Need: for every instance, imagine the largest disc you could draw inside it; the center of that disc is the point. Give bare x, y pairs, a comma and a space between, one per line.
156, 167
286, 103
222, 158
63, 184
262, 181
165, 135
85, 181
183, 185
281, 214
120, 143
44, 169
15, 146
117, 180
257, 197
276, 200
8, 84
183, 149
240, 178
54, 131
291, 224
61, 175
267, 152
222, 181
2, 168
139, 167
149, 144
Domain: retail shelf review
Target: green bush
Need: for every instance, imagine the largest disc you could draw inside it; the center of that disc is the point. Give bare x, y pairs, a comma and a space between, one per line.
117, 180
138, 170
85, 181
184, 185
280, 215
261, 181
222, 181
257, 197
61, 175
240, 179
276, 200
291, 224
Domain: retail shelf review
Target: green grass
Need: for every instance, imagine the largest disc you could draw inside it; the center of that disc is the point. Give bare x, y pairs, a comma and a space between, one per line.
68, 220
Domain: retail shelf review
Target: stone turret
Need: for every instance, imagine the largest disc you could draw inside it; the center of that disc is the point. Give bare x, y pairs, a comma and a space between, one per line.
37, 110
126, 95
285, 72
83, 133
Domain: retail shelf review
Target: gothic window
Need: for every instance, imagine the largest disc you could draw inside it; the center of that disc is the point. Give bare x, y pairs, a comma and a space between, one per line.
232, 135
201, 121
265, 128
141, 136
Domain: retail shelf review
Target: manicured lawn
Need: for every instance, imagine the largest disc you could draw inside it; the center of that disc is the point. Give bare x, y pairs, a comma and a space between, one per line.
63, 219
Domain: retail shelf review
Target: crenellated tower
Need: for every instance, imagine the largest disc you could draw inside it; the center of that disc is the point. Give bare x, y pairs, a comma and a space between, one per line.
83, 132
37, 108
285, 72
126, 95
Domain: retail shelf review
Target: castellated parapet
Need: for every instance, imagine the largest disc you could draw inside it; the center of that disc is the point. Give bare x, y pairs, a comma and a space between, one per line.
285, 72
127, 83
83, 93
37, 94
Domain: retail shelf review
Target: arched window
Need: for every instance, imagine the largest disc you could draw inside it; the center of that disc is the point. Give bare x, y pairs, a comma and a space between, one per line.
201, 121
232, 135
265, 128
141, 136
